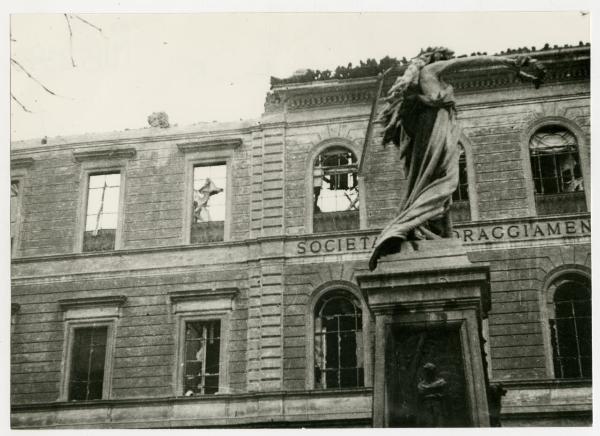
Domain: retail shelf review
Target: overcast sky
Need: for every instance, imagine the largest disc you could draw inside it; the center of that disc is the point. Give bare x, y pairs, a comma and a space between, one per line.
205, 67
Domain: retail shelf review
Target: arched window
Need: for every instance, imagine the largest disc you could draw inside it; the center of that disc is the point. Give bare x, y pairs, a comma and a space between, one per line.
335, 191
556, 170
461, 208
571, 328
338, 341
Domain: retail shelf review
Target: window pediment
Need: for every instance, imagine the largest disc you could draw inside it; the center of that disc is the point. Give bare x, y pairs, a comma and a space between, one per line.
209, 145
203, 300
104, 154
21, 162
92, 307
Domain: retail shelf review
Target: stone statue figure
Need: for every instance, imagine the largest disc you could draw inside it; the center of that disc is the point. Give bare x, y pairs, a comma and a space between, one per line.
432, 394
420, 118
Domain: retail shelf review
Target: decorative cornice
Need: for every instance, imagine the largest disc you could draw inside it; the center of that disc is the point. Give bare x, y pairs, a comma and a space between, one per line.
109, 300
105, 153
21, 162
203, 294
210, 145
204, 399
544, 383
571, 66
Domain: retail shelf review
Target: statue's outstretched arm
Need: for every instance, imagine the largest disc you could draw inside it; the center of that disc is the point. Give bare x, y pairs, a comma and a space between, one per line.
516, 63
451, 65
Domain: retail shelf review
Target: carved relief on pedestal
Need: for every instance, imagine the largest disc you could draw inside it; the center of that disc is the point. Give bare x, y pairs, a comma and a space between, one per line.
425, 375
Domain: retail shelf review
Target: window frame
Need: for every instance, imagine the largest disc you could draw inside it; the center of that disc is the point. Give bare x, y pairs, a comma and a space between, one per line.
582, 152
320, 292
102, 311
471, 179
191, 163
16, 242
557, 283
95, 167
206, 153
182, 320
19, 171
72, 327
547, 312
309, 192
199, 306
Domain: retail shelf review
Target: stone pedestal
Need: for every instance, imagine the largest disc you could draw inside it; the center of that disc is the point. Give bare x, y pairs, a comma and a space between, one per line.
428, 304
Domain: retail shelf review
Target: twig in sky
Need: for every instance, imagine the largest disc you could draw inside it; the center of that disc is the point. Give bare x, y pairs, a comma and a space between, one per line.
70, 40
31, 76
19, 103
87, 22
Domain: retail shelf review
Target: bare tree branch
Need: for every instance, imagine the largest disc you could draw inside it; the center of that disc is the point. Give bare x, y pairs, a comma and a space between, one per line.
19, 103
87, 22
31, 77
70, 40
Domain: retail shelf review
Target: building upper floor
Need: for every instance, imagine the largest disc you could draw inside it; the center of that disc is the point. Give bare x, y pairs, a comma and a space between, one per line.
295, 170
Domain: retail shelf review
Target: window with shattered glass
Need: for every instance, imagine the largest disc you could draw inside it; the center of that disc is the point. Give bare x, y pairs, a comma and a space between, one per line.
209, 203
14, 209
335, 188
338, 343
202, 357
571, 328
88, 355
461, 209
102, 212
556, 170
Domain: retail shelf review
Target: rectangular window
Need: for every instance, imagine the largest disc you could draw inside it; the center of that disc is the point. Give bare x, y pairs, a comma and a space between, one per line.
14, 210
88, 356
202, 357
335, 191
102, 212
209, 203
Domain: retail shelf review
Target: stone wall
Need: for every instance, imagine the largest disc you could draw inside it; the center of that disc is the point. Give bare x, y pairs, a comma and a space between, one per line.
270, 256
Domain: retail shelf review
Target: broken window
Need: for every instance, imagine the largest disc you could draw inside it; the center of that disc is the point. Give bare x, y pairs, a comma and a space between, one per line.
88, 355
338, 341
102, 212
556, 171
461, 209
209, 203
202, 354
335, 187
571, 328
14, 209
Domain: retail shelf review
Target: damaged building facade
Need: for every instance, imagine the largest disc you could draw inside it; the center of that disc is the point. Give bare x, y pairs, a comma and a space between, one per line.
207, 276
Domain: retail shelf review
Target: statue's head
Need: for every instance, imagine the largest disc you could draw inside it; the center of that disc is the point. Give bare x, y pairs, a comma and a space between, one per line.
429, 370
434, 54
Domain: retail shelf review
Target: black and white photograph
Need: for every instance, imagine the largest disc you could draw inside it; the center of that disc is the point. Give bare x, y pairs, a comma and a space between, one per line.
299, 219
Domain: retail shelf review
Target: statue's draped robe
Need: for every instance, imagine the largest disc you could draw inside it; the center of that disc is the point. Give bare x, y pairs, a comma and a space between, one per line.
431, 160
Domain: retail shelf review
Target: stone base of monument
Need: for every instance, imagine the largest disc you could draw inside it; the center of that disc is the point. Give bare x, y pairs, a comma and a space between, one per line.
428, 303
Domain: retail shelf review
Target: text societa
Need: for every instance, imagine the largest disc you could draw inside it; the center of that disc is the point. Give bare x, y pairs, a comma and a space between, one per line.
479, 234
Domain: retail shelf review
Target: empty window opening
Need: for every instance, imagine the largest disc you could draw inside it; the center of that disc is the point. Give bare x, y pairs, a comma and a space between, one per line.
461, 209
556, 170
88, 355
14, 209
209, 203
571, 328
338, 342
202, 354
335, 188
102, 212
